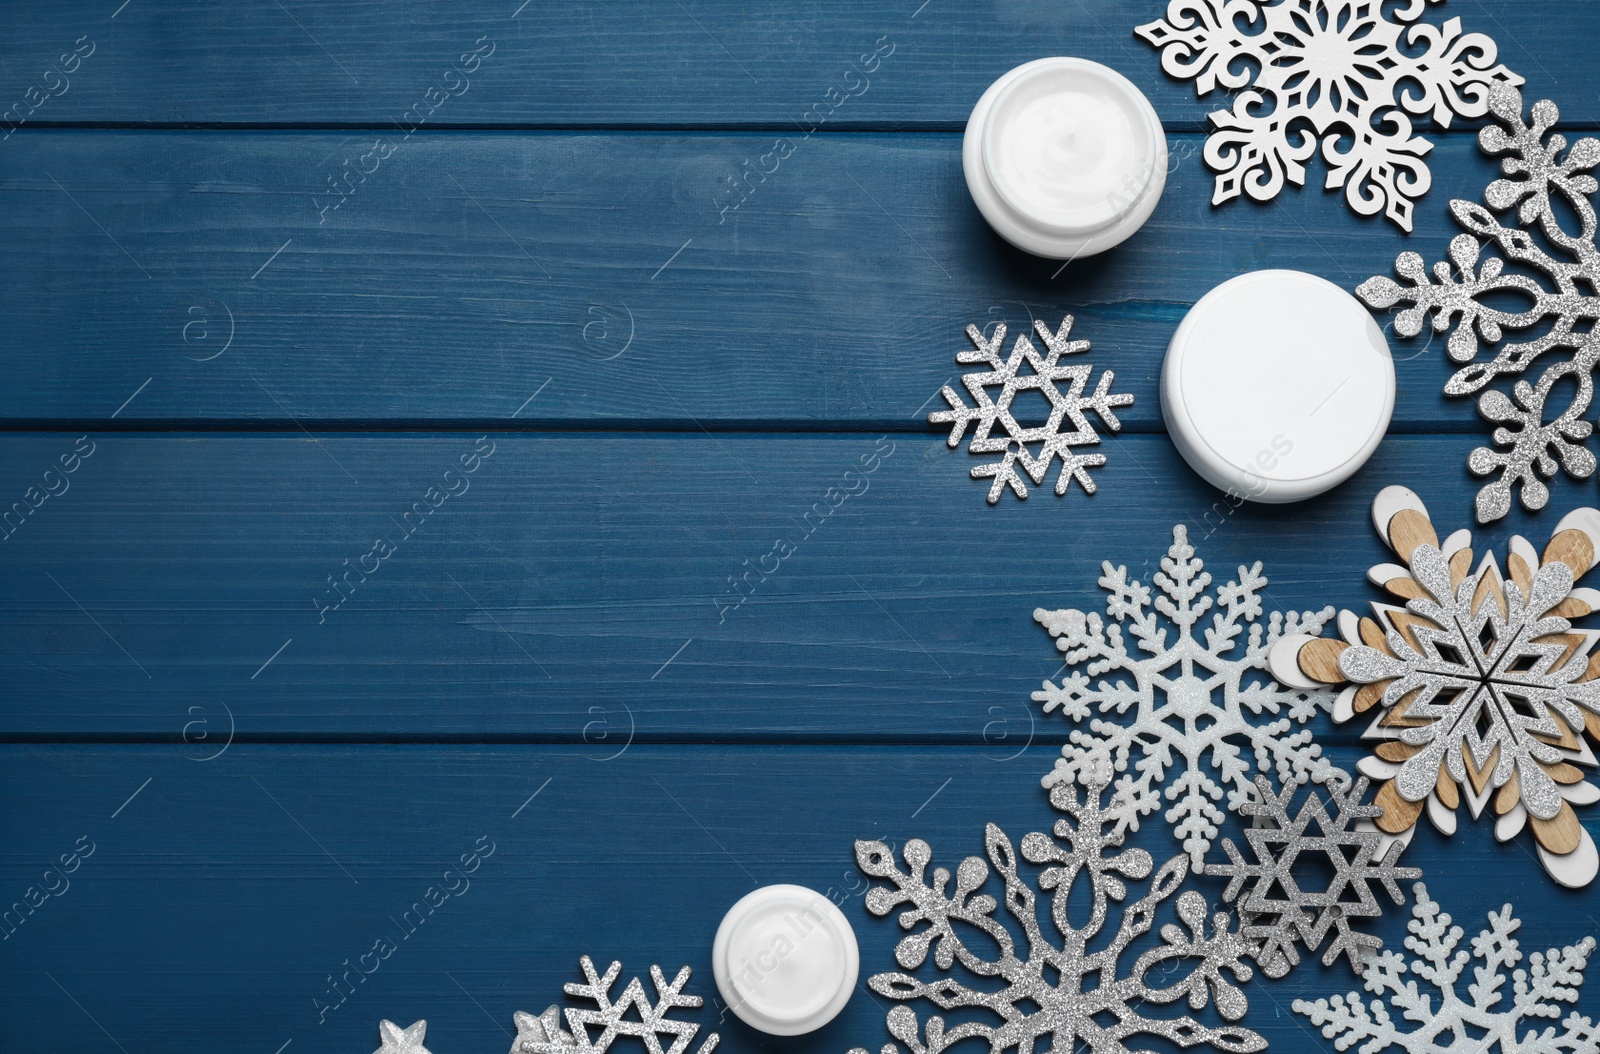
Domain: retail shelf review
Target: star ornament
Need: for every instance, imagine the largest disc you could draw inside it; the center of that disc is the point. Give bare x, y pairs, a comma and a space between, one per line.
1483, 690
397, 1040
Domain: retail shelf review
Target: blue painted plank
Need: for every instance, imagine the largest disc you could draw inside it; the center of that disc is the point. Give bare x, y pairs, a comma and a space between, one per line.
583, 585
218, 901
472, 271
635, 62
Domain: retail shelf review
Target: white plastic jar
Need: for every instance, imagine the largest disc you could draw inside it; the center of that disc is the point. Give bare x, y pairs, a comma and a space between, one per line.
785, 960
1277, 386
1064, 157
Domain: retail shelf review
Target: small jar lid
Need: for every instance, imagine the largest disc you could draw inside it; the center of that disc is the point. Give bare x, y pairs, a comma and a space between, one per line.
785, 960
1064, 157
1277, 386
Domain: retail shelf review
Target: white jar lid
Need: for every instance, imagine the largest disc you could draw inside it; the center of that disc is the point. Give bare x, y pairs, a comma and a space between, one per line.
1277, 386
785, 960
1064, 157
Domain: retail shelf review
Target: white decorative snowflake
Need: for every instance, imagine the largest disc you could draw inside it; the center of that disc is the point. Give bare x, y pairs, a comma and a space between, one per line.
1551, 294
1339, 72
648, 1023
1055, 994
1188, 703
1311, 875
1452, 1024
1042, 376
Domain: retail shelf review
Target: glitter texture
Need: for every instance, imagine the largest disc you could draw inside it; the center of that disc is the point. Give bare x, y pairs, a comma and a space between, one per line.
1042, 377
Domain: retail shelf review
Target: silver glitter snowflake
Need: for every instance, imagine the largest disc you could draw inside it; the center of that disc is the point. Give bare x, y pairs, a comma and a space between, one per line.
1188, 706
1052, 992
1345, 73
1475, 1021
1551, 282
1277, 907
1047, 439
648, 1023
1482, 687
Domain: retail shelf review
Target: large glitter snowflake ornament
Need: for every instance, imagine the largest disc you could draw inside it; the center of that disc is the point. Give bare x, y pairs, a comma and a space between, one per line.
1311, 875
1183, 719
1034, 447
632, 1015
1482, 687
1349, 74
1485, 1016
1545, 283
1050, 991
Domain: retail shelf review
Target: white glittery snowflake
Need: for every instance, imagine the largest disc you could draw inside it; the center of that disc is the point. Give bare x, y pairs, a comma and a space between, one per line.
1543, 284
1349, 74
1064, 986
1187, 706
1042, 376
1485, 1017
647, 1022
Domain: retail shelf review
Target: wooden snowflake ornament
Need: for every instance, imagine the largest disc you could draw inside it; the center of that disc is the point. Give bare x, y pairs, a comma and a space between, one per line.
1482, 687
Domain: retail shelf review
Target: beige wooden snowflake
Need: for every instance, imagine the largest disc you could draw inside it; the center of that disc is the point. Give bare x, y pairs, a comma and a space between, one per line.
1483, 690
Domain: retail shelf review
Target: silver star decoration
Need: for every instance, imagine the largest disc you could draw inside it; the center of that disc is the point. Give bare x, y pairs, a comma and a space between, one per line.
545, 1029
397, 1040
1550, 289
1276, 909
544, 1035
1054, 992
1042, 377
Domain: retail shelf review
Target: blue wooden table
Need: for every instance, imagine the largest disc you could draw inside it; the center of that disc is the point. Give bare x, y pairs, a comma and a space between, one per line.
270, 314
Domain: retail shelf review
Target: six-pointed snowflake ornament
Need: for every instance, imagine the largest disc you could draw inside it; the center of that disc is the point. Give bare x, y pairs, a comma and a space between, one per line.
1346, 73
1311, 875
1186, 717
1032, 446
1065, 982
1482, 687
1476, 1018
632, 1015
1545, 282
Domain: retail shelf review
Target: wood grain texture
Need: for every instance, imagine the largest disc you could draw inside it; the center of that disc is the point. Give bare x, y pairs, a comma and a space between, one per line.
220, 898
635, 62
240, 347
584, 577
471, 270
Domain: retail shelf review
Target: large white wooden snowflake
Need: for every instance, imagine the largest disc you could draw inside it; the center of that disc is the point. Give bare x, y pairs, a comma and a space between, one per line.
1184, 719
1482, 1016
1346, 73
1053, 992
1000, 414
1544, 286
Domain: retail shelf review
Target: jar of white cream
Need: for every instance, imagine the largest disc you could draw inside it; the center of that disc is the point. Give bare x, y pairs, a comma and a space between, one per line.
1064, 157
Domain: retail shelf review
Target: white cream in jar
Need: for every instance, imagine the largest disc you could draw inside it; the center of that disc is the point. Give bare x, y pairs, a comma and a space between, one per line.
1064, 157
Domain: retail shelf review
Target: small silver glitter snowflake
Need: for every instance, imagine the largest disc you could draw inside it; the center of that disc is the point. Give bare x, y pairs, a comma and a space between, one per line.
1048, 439
647, 1023
1189, 707
1284, 901
1345, 73
1484, 1016
1548, 288
1053, 992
